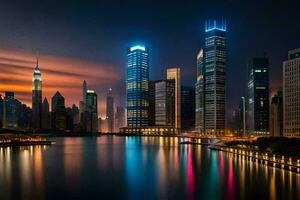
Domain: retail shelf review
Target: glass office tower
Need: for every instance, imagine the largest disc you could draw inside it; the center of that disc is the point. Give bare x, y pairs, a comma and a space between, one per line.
258, 96
165, 103
215, 77
137, 88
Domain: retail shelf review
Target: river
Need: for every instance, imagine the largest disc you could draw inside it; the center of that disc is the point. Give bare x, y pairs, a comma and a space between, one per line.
113, 167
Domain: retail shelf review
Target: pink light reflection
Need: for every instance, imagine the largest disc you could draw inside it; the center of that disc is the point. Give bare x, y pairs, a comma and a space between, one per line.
190, 175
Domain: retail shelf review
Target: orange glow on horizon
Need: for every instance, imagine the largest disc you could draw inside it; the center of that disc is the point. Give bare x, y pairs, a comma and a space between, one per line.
58, 74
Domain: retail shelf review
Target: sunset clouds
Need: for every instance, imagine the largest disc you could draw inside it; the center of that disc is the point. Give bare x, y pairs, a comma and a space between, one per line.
58, 73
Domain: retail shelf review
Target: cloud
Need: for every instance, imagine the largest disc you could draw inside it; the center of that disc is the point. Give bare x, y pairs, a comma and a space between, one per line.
64, 74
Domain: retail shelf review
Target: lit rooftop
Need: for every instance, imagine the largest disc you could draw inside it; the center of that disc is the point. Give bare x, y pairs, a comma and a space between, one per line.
137, 47
211, 25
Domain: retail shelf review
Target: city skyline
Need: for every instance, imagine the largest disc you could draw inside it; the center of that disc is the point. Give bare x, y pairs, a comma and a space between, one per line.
42, 35
143, 99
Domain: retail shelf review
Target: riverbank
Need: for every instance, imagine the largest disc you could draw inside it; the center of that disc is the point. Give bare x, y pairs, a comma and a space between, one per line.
16, 140
282, 162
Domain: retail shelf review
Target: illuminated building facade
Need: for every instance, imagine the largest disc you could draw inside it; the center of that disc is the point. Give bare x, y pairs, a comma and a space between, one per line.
258, 96
90, 115
199, 95
165, 103
37, 98
150, 130
137, 91
110, 111
214, 78
174, 74
291, 94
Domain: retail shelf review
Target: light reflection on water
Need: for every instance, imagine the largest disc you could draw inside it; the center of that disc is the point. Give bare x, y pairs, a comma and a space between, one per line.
137, 168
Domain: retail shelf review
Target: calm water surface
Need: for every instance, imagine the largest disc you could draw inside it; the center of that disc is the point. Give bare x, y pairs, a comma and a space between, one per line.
111, 167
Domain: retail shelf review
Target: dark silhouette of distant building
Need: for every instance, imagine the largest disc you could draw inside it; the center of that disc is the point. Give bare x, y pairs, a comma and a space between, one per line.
76, 115
187, 108
58, 112
110, 111
151, 103
120, 118
242, 117
46, 117
24, 115
1, 111
276, 115
69, 119
15, 114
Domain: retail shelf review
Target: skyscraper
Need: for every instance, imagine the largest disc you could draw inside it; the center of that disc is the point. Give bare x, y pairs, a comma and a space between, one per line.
242, 117
276, 115
37, 98
291, 94
90, 116
174, 74
110, 111
1, 111
151, 103
59, 114
199, 95
23, 115
165, 103
84, 91
214, 77
187, 108
258, 96
83, 100
45, 115
10, 115
75, 114
120, 118
137, 91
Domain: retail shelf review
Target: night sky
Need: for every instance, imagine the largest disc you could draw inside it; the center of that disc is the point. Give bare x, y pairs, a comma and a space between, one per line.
88, 40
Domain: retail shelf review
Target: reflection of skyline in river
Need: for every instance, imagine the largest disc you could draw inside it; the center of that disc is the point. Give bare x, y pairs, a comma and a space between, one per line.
138, 167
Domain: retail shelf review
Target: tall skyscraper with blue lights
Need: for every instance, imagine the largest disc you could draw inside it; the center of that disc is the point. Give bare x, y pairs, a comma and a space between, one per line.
215, 77
137, 88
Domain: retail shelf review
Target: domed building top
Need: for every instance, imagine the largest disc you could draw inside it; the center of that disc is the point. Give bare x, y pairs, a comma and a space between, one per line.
37, 72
